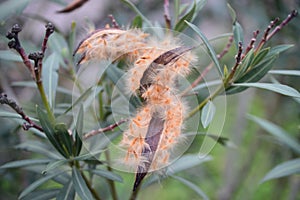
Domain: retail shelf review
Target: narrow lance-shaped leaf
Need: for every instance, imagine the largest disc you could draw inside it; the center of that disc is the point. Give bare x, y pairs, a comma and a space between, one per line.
211, 51
278, 132
236, 28
238, 34
181, 25
50, 131
50, 77
64, 138
67, 192
24, 163
12, 7
253, 75
284, 169
207, 114
136, 10
275, 87
53, 165
9, 55
107, 174
183, 163
38, 183
80, 186
285, 72
78, 132
191, 186
44, 194
38, 147
137, 22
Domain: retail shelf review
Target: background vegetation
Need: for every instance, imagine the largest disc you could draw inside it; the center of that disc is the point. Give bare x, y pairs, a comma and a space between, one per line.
254, 146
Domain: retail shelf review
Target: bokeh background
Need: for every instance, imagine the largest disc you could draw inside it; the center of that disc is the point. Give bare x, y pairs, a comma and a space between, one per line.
234, 173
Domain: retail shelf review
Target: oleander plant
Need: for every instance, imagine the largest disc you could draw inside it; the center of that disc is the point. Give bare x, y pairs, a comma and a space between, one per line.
137, 109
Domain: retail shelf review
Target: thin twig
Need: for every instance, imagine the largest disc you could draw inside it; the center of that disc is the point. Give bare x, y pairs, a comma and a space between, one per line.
14, 43
238, 59
251, 44
49, 31
167, 14
292, 15
226, 49
111, 182
12, 103
114, 22
266, 33
209, 67
102, 130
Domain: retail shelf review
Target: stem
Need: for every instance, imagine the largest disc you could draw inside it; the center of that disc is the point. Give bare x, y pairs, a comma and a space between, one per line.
13, 104
111, 182
93, 191
45, 100
102, 130
134, 193
209, 98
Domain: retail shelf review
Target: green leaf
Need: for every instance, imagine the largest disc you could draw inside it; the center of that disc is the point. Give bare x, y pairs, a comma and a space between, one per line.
246, 65
208, 113
58, 44
186, 162
72, 38
284, 169
64, 138
10, 115
78, 132
50, 77
25, 163
136, 10
41, 195
38, 147
231, 12
237, 29
191, 186
238, 34
80, 186
275, 87
54, 164
279, 49
50, 131
67, 192
253, 75
183, 163
38, 183
12, 7
176, 9
89, 155
211, 51
278, 132
260, 56
88, 95
285, 72
107, 174
10, 56
181, 24
137, 22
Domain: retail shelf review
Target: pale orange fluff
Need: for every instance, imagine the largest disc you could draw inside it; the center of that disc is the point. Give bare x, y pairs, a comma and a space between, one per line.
161, 96
111, 44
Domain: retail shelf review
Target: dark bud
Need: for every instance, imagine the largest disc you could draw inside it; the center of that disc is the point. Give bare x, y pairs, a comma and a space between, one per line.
36, 56
49, 28
10, 35
16, 29
12, 44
